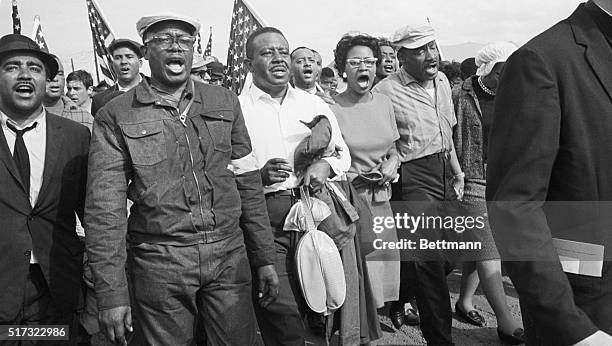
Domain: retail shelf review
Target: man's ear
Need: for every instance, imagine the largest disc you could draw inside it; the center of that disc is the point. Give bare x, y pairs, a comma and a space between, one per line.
145, 53
249, 64
140, 63
90, 91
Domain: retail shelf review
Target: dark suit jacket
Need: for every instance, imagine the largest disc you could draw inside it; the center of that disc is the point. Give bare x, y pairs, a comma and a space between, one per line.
550, 173
49, 227
100, 99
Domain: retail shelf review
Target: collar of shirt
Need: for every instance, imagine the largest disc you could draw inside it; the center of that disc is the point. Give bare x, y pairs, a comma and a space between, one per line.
122, 89
603, 9
258, 94
40, 119
146, 95
406, 78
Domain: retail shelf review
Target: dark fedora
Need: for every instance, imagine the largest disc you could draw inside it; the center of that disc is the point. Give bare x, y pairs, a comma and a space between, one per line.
15, 43
124, 42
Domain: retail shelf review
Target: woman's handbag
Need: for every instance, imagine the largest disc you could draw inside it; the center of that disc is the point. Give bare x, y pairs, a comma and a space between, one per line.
319, 266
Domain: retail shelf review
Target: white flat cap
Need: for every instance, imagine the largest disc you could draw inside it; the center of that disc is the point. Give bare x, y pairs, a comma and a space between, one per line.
145, 23
413, 36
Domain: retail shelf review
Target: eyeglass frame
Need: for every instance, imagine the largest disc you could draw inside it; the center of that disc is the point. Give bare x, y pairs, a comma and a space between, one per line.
175, 39
369, 64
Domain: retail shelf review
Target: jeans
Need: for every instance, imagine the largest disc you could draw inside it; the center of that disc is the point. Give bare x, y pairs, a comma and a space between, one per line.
179, 290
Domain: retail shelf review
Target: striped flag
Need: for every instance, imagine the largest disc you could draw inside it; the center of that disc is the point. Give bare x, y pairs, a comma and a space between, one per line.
102, 36
198, 44
37, 34
16, 19
208, 50
244, 22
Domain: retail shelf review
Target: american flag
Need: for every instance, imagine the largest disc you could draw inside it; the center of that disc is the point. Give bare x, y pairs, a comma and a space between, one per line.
208, 50
198, 44
37, 35
102, 36
16, 19
244, 22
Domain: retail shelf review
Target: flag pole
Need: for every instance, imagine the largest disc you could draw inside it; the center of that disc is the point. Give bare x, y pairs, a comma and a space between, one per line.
96, 63
254, 13
95, 3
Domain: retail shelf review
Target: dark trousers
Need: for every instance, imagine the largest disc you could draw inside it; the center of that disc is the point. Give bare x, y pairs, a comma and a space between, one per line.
281, 323
427, 183
38, 309
180, 290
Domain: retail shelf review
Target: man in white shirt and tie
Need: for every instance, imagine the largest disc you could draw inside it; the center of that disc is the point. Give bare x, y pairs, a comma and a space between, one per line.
43, 164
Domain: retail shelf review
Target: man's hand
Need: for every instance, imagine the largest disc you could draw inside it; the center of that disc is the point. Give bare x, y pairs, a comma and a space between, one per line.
458, 185
388, 168
275, 171
316, 175
115, 322
267, 281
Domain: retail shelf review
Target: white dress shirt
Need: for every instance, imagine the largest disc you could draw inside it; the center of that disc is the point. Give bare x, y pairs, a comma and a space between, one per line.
35, 141
603, 9
275, 129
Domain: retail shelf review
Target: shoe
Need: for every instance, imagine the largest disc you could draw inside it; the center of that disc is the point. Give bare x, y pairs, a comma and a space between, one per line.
396, 314
412, 318
517, 337
471, 316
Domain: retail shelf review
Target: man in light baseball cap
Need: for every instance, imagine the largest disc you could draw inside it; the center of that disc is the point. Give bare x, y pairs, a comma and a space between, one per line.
180, 151
425, 117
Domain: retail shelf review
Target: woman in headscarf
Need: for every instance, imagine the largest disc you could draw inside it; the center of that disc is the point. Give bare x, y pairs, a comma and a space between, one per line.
474, 105
367, 122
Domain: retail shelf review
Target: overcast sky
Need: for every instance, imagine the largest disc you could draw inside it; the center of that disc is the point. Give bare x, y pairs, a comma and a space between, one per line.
315, 23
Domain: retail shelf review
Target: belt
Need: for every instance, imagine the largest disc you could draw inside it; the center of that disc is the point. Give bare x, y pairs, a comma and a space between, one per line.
445, 155
295, 192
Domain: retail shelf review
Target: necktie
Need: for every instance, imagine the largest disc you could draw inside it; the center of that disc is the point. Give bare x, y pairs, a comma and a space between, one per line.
20, 154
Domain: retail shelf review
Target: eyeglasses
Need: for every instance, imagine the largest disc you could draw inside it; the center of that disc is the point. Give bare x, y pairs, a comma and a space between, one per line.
166, 41
356, 62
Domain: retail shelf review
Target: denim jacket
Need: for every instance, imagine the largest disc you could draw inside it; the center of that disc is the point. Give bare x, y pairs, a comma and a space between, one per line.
467, 136
193, 179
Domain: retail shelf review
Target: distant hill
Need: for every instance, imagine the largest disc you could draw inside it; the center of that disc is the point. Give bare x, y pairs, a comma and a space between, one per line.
461, 51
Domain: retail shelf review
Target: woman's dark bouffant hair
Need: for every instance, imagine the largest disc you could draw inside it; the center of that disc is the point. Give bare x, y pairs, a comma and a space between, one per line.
348, 42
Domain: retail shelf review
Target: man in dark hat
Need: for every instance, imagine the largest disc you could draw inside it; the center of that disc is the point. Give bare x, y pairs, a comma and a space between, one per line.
181, 152
127, 62
216, 71
43, 160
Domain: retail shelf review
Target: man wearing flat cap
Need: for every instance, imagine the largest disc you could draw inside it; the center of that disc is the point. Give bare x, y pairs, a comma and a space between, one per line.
43, 165
127, 62
430, 171
180, 151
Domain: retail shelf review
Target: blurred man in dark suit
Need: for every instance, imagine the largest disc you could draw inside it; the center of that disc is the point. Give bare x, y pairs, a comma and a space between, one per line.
549, 172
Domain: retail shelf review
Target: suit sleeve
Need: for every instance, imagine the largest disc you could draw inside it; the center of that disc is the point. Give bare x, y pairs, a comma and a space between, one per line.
458, 130
524, 143
85, 139
106, 212
254, 220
